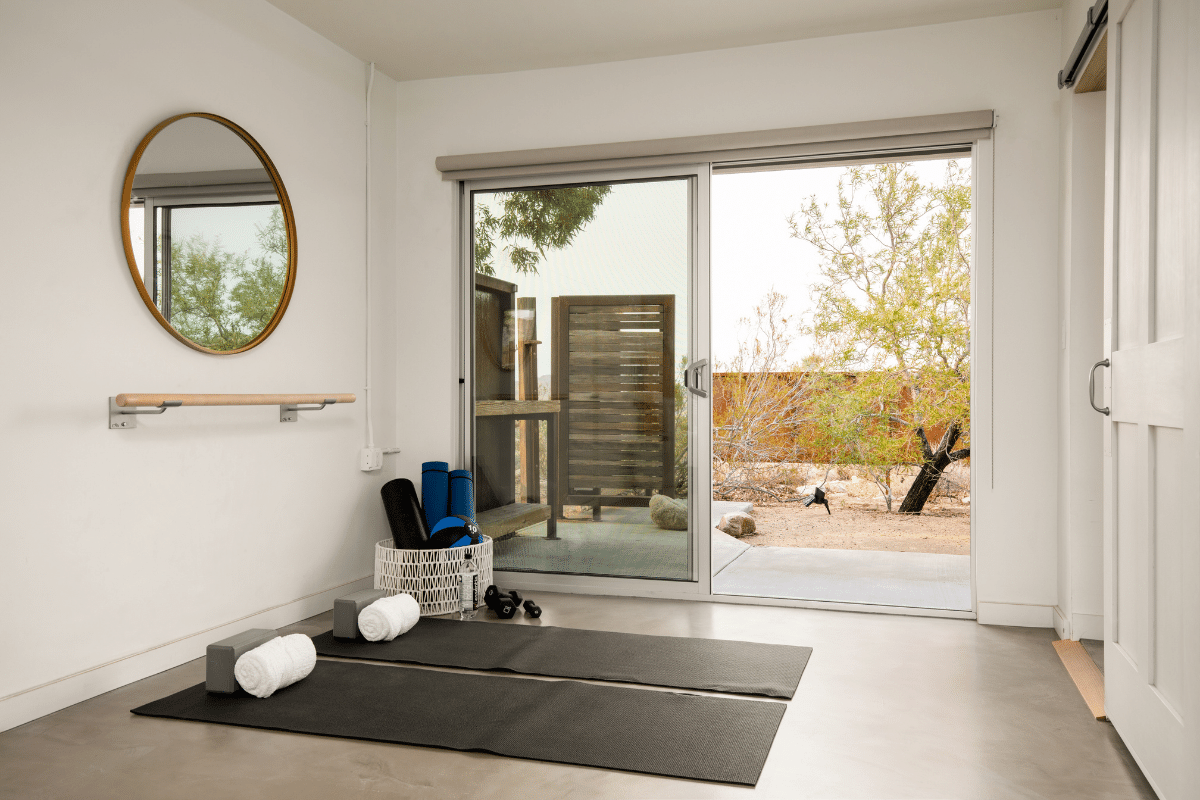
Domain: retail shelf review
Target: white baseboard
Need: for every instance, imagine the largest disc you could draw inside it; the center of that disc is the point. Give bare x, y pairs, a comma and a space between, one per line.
1023, 616
38, 701
1062, 625
1087, 626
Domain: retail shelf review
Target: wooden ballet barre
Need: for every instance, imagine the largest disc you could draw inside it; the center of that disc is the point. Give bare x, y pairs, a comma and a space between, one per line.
124, 408
126, 400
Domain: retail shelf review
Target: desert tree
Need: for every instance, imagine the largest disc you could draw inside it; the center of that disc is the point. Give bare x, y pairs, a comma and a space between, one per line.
891, 319
760, 402
521, 226
221, 299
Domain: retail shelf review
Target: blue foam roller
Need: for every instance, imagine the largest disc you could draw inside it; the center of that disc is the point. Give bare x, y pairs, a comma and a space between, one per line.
435, 491
462, 494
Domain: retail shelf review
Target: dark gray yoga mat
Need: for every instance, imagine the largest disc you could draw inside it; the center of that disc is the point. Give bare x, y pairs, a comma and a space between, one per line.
723, 739
680, 662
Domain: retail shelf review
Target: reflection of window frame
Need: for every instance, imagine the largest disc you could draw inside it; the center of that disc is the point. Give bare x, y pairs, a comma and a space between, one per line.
157, 205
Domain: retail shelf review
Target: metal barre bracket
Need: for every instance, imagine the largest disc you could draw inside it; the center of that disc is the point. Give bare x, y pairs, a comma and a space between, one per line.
120, 418
288, 413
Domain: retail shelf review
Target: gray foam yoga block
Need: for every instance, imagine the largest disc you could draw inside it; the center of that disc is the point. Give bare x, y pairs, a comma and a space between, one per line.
346, 610
223, 655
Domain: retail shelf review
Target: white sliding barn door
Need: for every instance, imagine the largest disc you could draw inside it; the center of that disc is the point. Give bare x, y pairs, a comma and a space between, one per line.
1152, 513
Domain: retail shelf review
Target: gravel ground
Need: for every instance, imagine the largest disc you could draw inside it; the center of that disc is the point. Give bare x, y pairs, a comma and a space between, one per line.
940, 528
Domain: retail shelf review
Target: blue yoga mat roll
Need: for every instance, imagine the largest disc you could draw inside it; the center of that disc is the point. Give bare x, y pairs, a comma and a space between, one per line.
435, 491
462, 494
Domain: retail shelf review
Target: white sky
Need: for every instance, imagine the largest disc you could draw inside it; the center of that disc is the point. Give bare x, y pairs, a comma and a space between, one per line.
235, 227
753, 252
638, 244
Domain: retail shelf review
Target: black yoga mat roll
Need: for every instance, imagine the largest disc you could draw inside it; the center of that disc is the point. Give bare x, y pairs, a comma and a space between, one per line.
722, 739
409, 530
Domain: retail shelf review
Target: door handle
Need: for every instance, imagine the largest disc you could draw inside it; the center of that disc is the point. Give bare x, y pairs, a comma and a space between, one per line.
691, 377
1092, 387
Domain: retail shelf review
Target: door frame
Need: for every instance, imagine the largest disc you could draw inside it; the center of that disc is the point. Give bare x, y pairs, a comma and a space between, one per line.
700, 412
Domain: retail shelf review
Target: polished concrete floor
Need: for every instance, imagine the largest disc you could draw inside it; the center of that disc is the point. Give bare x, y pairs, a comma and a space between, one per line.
889, 707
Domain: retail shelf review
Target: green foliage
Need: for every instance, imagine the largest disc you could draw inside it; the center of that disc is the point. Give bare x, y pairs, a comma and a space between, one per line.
222, 300
533, 222
891, 324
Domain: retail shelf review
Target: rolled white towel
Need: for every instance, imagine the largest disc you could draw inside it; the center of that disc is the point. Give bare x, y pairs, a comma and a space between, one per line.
280, 662
388, 617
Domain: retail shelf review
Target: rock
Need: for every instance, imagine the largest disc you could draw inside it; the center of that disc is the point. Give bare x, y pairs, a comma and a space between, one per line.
669, 513
861, 488
806, 490
835, 487
736, 524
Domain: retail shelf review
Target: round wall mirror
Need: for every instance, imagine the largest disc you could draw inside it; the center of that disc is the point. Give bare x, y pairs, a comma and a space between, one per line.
209, 233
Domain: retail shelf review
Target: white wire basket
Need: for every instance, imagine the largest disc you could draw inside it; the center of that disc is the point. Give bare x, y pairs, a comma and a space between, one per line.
430, 576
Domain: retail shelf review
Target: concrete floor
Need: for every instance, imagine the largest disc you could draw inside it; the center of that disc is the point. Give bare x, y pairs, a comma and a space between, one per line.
889, 707
624, 542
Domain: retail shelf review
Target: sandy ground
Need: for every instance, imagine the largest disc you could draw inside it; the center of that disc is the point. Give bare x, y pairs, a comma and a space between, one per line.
940, 528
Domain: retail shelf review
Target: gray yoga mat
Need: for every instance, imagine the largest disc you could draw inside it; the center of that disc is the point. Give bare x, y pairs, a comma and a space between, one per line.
716, 665
721, 739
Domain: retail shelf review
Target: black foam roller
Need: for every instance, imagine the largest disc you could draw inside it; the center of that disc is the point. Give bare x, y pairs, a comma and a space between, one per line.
409, 530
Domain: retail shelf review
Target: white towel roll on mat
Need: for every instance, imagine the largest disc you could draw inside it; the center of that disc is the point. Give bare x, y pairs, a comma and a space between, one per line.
278, 663
389, 617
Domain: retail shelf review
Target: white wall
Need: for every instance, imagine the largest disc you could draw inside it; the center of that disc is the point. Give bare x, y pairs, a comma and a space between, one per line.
1005, 63
1080, 611
126, 552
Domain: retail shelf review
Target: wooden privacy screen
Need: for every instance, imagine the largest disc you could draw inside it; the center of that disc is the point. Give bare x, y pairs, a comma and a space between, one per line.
613, 372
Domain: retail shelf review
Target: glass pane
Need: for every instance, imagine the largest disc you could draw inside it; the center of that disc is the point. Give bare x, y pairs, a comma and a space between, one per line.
137, 237
226, 270
581, 331
841, 342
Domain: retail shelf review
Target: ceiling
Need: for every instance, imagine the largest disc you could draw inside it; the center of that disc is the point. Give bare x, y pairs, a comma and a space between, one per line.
415, 39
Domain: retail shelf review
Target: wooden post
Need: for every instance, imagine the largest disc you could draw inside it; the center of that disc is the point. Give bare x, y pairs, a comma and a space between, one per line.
527, 389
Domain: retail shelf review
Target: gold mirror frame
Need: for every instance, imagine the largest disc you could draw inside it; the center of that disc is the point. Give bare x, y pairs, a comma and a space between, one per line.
288, 218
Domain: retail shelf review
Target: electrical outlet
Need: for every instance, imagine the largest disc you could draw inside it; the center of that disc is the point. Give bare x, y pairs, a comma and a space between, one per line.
370, 459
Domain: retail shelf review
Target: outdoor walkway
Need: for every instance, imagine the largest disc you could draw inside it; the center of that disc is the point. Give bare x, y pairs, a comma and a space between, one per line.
912, 580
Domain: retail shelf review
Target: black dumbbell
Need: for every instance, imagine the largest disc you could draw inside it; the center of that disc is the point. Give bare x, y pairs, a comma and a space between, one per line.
502, 604
505, 604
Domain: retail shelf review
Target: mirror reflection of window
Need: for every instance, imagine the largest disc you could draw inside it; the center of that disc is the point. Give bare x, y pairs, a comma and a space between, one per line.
209, 233
137, 234
221, 270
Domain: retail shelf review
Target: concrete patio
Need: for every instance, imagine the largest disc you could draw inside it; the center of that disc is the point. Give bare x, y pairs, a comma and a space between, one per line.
910, 580
626, 543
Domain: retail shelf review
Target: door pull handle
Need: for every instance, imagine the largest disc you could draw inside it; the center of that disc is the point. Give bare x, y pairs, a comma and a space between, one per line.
691, 377
1092, 387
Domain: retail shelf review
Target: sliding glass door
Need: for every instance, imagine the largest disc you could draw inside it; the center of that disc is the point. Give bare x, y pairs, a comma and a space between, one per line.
581, 329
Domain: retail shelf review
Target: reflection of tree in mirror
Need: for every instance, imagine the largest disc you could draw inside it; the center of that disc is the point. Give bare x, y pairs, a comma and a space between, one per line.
533, 222
222, 300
